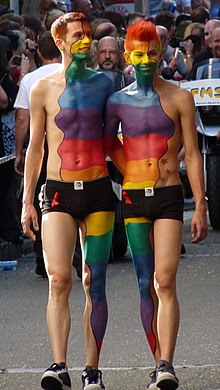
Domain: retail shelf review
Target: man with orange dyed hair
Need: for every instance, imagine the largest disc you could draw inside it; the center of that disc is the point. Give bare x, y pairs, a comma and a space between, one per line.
156, 116
68, 107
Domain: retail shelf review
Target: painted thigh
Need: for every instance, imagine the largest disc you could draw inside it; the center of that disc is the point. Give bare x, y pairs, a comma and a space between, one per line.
97, 239
139, 233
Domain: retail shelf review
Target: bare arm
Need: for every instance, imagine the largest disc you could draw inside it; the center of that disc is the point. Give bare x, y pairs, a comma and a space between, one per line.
34, 158
194, 165
21, 133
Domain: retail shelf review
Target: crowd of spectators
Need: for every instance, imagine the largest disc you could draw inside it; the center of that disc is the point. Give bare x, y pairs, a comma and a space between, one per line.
186, 30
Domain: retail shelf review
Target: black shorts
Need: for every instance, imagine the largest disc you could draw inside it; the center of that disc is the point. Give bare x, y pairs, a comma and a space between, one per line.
167, 203
79, 198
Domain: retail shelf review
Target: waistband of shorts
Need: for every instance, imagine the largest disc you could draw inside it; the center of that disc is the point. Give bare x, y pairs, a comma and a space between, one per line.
79, 184
157, 190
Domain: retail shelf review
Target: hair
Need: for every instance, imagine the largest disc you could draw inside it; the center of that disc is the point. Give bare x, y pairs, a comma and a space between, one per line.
13, 18
180, 30
181, 18
141, 31
166, 19
115, 18
5, 51
33, 23
21, 41
50, 17
46, 5
105, 29
200, 15
59, 26
47, 47
189, 29
6, 25
96, 22
132, 16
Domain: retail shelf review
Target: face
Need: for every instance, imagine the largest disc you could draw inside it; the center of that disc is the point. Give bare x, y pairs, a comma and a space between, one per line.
85, 6
196, 3
108, 54
164, 36
216, 43
78, 40
208, 29
145, 57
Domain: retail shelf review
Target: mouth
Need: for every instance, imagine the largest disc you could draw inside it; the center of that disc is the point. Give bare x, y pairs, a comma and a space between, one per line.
85, 49
147, 67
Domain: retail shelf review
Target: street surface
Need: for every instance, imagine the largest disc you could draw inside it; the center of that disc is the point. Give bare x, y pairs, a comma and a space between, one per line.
126, 360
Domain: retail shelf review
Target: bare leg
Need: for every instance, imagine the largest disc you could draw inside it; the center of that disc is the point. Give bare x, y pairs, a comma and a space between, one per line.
167, 244
59, 232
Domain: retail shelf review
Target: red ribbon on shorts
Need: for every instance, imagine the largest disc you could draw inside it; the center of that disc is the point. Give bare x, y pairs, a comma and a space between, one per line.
55, 199
126, 197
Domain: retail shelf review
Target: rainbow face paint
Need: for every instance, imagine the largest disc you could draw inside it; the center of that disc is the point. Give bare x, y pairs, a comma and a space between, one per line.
78, 40
145, 57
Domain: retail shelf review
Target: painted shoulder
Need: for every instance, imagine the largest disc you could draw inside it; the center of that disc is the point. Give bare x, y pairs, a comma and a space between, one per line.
124, 94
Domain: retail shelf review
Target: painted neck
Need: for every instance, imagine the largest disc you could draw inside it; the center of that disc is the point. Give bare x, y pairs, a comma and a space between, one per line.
75, 69
144, 82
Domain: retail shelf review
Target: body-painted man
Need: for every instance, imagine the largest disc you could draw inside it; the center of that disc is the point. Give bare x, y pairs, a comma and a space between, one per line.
156, 116
68, 106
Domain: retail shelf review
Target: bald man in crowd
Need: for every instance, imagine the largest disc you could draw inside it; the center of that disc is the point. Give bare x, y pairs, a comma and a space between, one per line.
108, 56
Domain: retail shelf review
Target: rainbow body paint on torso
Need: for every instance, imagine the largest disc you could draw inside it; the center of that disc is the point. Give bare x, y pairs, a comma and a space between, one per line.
146, 130
81, 120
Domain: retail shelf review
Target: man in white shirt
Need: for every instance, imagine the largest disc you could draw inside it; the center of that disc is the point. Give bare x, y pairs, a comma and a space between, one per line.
51, 58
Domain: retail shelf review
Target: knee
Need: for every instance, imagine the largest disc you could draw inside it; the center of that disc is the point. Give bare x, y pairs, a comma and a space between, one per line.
165, 284
60, 284
144, 286
94, 282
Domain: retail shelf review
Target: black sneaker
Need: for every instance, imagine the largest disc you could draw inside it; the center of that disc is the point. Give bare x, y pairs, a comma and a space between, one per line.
92, 379
56, 377
166, 378
153, 379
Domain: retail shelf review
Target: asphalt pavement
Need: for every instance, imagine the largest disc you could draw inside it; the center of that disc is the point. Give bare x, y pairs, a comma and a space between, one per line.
126, 360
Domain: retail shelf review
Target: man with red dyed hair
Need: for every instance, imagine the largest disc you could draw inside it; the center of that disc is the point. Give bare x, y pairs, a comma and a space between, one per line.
156, 116
68, 107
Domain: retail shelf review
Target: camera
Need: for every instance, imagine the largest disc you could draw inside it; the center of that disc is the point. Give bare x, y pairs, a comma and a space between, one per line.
17, 60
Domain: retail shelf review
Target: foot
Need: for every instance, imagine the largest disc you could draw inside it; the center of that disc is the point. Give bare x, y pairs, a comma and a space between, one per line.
56, 377
153, 378
92, 379
166, 377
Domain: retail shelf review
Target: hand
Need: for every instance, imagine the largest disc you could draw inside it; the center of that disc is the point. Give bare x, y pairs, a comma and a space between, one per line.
31, 49
188, 46
173, 63
14, 62
28, 218
199, 226
19, 164
25, 65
